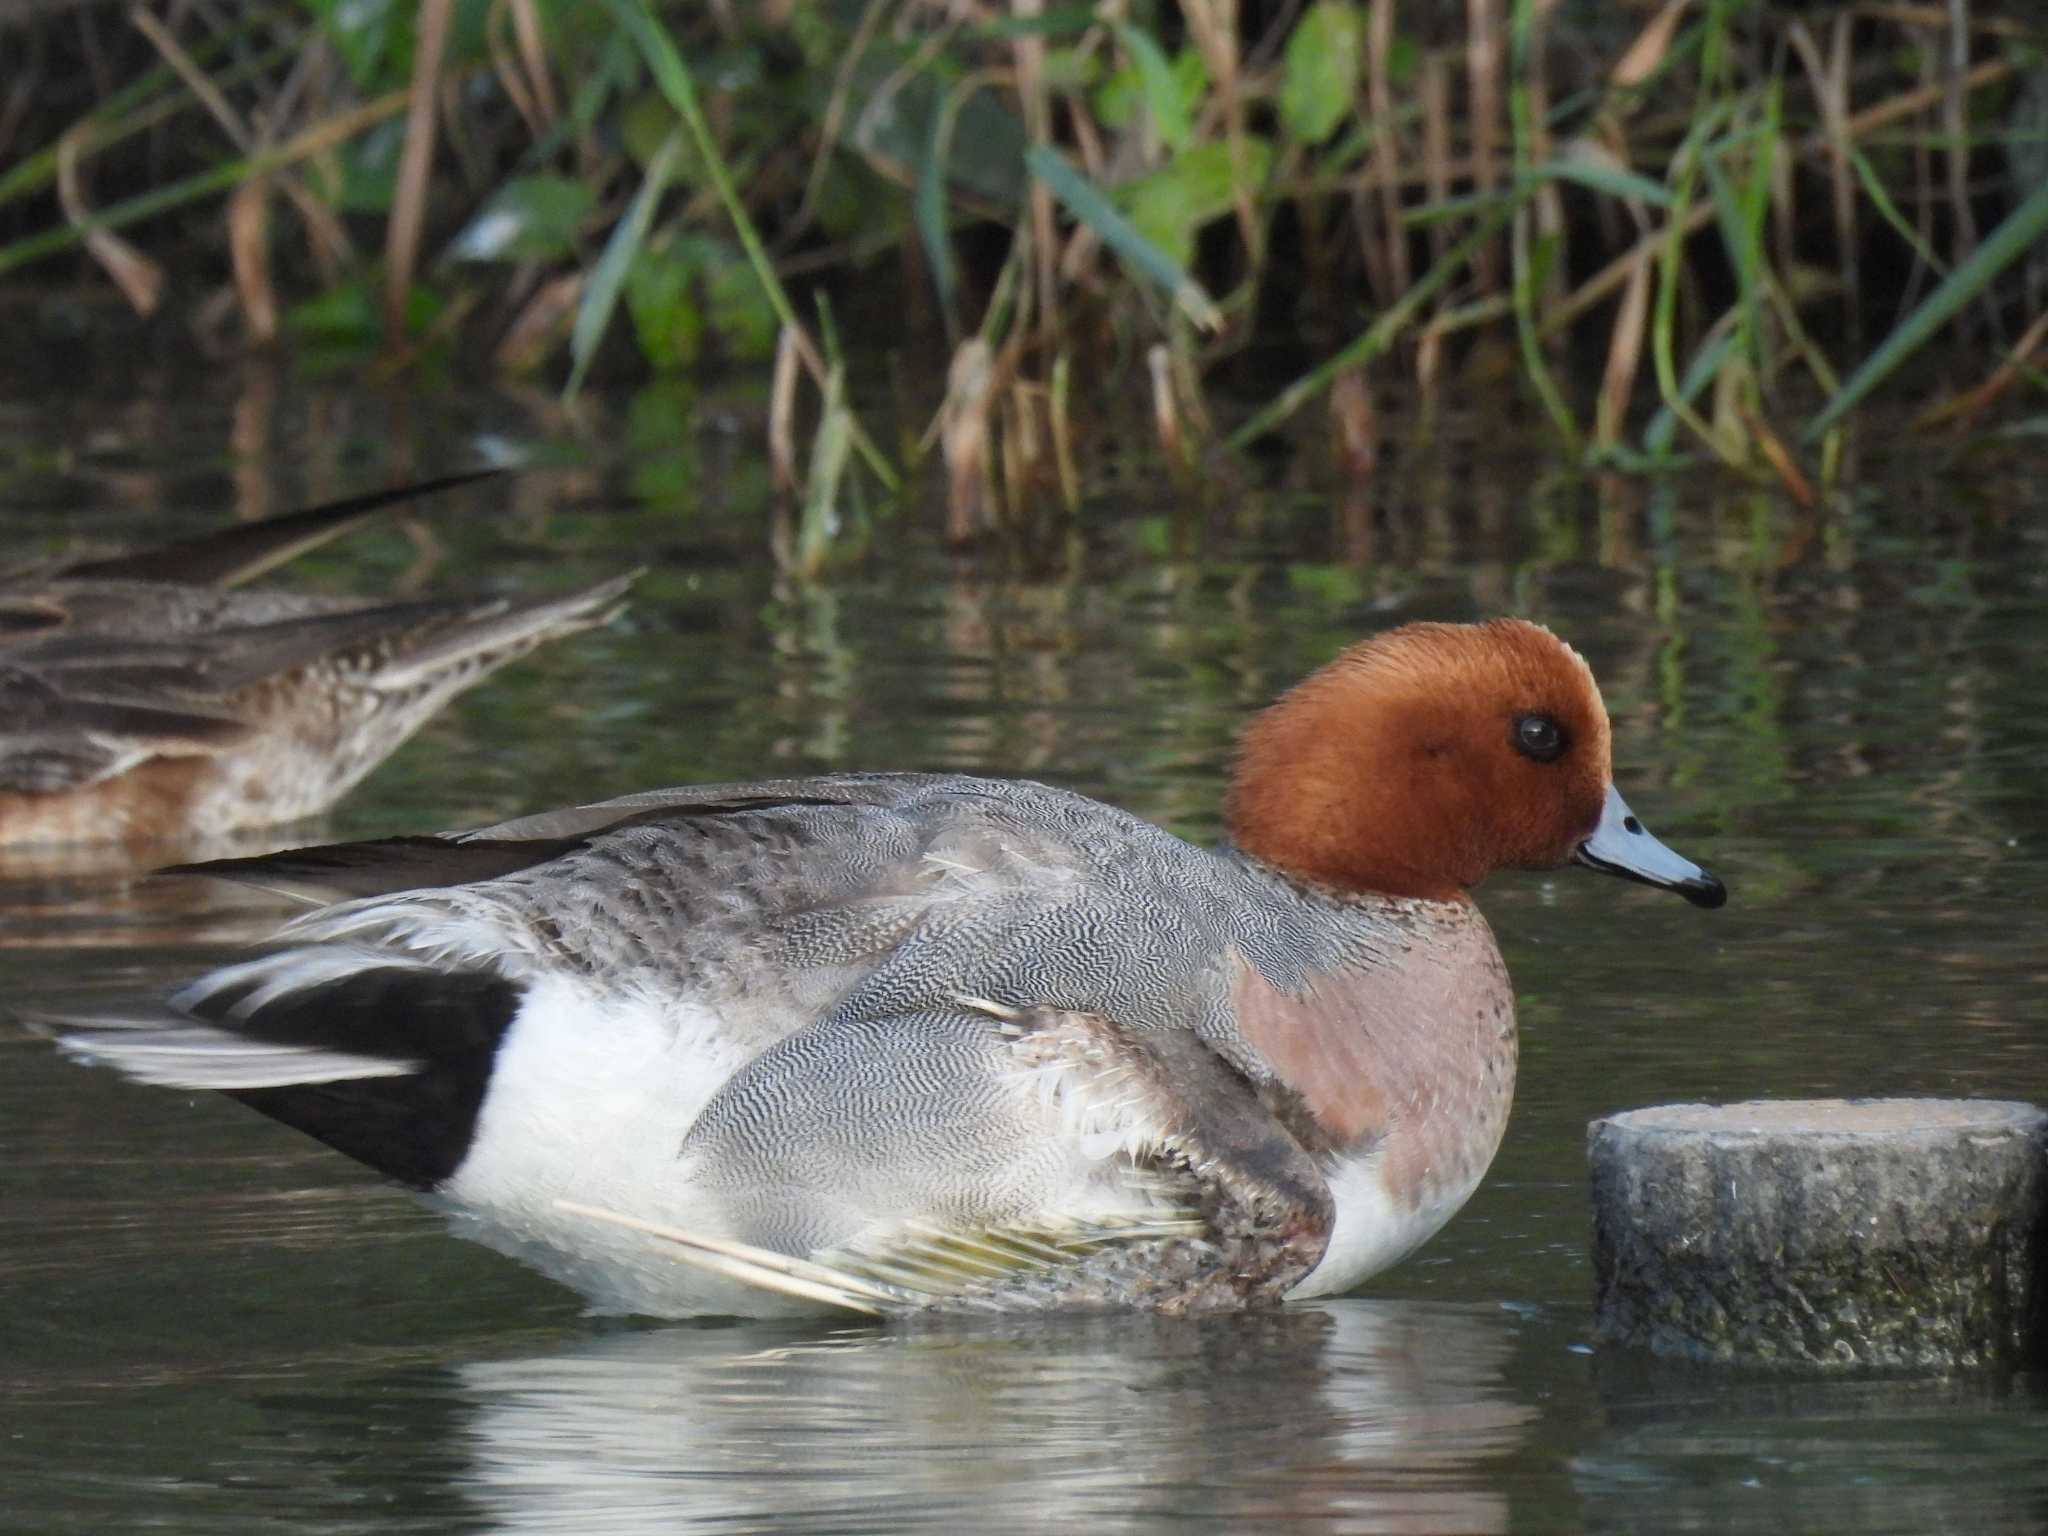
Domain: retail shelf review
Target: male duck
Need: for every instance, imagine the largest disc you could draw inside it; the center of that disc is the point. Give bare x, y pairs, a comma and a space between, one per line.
146, 696
887, 1042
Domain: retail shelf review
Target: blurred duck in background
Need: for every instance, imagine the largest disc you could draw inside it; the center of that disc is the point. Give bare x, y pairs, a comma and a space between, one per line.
151, 697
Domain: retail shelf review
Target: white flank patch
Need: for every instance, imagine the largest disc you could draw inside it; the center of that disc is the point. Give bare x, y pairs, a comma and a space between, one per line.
1373, 1231
589, 1100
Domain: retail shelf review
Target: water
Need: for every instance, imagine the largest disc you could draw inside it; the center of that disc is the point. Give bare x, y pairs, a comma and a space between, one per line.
210, 1325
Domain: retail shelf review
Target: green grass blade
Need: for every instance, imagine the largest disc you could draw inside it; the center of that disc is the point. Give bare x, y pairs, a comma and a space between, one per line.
1464, 206
1160, 89
1663, 427
1888, 210
1378, 336
218, 178
2004, 245
1730, 219
929, 205
1530, 264
1600, 178
154, 97
820, 521
1085, 201
672, 76
608, 277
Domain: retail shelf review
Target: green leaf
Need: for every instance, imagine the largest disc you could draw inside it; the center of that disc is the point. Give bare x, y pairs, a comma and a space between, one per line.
661, 296
608, 277
1118, 98
1881, 200
1160, 87
368, 178
530, 218
1320, 72
1086, 202
645, 125
661, 445
361, 33
2012, 239
1057, 21
352, 314
1175, 201
737, 308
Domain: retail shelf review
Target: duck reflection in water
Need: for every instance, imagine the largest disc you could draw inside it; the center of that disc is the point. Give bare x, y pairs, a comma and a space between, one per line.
1355, 1416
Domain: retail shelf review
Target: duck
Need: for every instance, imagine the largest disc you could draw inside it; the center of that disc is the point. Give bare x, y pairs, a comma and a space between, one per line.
891, 1044
151, 696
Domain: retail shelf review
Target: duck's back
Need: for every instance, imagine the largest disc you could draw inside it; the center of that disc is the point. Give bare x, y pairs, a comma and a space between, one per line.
859, 895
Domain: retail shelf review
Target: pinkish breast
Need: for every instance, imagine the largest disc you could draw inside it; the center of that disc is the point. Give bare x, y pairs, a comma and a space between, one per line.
1409, 1059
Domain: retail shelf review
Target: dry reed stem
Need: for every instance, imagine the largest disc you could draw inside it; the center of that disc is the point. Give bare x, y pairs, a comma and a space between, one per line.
835, 116
1354, 427
1955, 123
249, 256
1624, 353
1063, 436
1829, 81
1612, 276
1386, 151
195, 79
1187, 381
1213, 24
415, 166
782, 415
964, 435
1482, 68
140, 280
1028, 49
1645, 56
1165, 413
1429, 358
1844, 179
507, 66
540, 323
1912, 103
1778, 456
1548, 199
1436, 144
325, 237
1935, 17
534, 50
248, 208
1923, 207
1964, 409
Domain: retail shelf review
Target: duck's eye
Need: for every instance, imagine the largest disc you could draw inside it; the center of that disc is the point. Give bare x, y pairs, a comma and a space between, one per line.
1539, 737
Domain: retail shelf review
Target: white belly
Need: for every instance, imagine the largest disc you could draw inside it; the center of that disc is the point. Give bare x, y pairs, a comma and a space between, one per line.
1374, 1230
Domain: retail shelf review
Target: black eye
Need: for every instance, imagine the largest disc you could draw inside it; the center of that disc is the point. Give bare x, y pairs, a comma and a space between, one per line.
1539, 737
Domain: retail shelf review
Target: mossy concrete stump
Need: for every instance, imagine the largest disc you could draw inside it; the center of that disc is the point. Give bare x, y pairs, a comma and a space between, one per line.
1889, 1233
